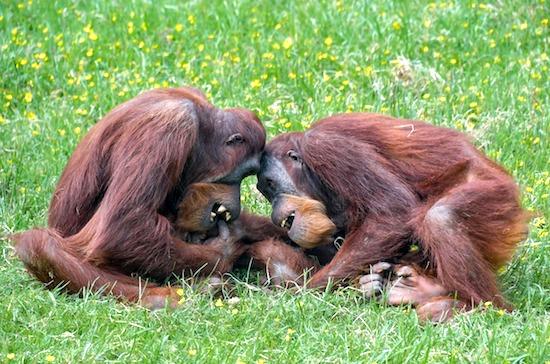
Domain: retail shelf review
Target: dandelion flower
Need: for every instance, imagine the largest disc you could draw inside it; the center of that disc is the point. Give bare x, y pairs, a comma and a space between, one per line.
28, 97
287, 43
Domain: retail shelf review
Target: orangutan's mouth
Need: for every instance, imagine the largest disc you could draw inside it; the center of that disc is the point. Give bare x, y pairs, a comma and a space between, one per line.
221, 212
287, 221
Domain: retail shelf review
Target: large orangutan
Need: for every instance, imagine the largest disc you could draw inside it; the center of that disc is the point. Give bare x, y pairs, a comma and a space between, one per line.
113, 212
403, 192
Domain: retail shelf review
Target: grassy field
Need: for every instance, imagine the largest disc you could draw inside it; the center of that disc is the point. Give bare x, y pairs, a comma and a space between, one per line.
478, 67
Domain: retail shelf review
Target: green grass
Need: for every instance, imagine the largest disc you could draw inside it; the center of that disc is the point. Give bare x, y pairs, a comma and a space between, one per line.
479, 67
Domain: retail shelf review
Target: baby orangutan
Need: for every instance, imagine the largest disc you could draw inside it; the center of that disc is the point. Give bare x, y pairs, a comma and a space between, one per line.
209, 213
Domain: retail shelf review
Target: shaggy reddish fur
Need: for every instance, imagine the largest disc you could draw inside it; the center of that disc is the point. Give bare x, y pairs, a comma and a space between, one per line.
113, 210
390, 185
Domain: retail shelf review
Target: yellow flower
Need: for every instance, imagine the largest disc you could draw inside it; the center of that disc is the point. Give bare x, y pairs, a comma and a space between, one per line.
539, 222
260, 361
50, 358
179, 292
287, 43
77, 130
30, 115
92, 36
255, 84
239, 361
179, 27
130, 27
192, 352
201, 47
90, 52
328, 98
523, 26
292, 75
218, 303
10, 356
368, 70
328, 41
536, 75
28, 97
396, 25
191, 19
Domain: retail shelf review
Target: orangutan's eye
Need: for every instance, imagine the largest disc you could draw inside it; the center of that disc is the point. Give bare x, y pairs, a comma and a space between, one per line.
293, 155
235, 139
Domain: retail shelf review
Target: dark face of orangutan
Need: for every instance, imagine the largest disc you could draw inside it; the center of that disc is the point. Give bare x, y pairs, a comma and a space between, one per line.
232, 139
297, 197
